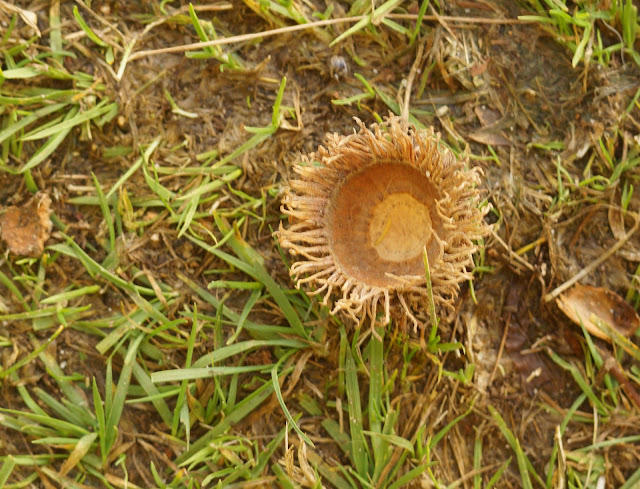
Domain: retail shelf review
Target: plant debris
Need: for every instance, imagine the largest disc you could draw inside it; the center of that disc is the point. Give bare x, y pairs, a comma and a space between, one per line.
26, 228
585, 304
361, 219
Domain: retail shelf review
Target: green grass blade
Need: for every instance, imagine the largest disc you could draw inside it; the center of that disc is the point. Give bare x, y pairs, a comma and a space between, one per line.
144, 158
30, 356
358, 442
410, 475
60, 426
72, 294
240, 411
117, 405
582, 383
25, 121
253, 298
358, 26
181, 411
228, 351
440, 434
287, 414
50, 146
6, 469
525, 466
93, 267
633, 481
379, 443
78, 417
182, 374
342, 439
496, 477
143, 379
69, 123
83, 25
554, 453
252, 258
106, 213
269, 450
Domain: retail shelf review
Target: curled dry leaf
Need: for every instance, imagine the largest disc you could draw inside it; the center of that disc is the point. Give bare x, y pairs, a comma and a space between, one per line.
26, 228
587, 303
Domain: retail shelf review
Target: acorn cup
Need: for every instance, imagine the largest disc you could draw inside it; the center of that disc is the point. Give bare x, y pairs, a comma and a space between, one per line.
364, 210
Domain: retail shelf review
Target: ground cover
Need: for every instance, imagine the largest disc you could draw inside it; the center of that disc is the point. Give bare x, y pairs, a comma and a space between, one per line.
153, 338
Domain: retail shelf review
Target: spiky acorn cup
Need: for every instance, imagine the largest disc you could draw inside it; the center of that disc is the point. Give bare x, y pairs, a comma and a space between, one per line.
363, 210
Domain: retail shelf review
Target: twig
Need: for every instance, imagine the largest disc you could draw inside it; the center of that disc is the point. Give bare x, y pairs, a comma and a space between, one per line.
244, 37
512, 254
612, 366
627, 386
311, 25
501, 349
412, 76
468, 20
443, 22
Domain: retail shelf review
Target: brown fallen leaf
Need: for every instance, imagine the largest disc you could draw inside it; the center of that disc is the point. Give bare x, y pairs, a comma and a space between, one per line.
616, 222
478, 68
26, 228
486, 116
489, 138
587, 303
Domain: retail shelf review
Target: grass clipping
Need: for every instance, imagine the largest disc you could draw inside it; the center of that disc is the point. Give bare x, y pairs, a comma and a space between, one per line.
363, 211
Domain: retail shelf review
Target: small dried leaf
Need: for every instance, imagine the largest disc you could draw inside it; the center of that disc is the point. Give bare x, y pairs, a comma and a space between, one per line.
26, 228
306, 468
78, 453
582, 302
478, 68
616, 222
489, 138
630, 255
486, 116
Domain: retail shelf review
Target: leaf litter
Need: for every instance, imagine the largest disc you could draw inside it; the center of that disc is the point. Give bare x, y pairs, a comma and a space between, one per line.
25, 229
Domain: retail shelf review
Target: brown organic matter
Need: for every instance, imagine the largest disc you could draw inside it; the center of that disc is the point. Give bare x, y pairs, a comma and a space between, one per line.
584, 304
366, 207
26, 228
